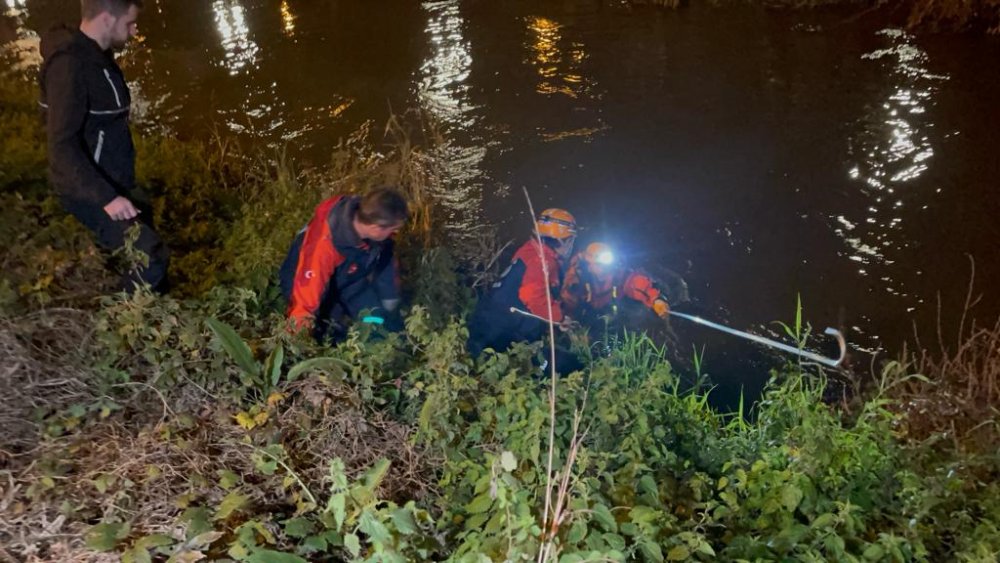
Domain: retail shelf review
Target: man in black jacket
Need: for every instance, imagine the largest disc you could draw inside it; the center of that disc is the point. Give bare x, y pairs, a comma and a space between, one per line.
91, 155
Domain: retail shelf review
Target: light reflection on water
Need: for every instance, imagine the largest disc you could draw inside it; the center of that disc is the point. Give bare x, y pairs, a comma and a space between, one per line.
230, 20
558, 72
443, 91
287, 19
892, 148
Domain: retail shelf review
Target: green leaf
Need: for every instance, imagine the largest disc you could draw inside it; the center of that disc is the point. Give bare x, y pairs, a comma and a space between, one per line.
375, 530
272, 368
136, 555
402, 518
338, 505
614, 541
791, 496
199, 521
480, 504
236, 348
824, 521
228, 479
874, 552
648, 486
271, 556
332, 366
604, 518
651, 551
232, 502
298, 527
104, 536
203, 540
154, 540
353, 544
577, 532
678, 553
508, 461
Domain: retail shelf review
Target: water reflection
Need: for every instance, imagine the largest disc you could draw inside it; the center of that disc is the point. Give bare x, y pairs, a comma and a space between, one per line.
16, 4
230, 20
558, 72
892, 150
287, 19
443, 90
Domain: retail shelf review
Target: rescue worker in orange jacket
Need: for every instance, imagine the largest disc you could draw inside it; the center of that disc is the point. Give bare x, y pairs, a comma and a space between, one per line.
342, 263
526, 286
595, 285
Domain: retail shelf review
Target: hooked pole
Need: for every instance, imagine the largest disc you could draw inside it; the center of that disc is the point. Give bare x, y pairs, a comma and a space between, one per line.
831, 362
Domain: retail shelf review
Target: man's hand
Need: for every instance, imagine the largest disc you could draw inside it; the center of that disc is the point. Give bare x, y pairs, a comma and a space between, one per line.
661, 308
121, 209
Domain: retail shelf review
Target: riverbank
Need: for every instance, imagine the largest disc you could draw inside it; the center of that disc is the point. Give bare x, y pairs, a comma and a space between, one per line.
193, 426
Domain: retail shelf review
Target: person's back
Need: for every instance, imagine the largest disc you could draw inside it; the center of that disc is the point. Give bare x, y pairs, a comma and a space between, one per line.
516, 308
86, 102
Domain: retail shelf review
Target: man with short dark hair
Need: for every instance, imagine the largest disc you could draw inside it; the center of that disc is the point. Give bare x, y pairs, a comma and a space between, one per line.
342, 264
91, 155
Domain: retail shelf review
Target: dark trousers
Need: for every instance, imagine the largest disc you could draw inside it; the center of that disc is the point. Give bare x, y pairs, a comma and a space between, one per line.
111, 235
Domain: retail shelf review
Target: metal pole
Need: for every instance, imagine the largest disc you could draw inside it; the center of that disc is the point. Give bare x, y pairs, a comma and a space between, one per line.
774, 344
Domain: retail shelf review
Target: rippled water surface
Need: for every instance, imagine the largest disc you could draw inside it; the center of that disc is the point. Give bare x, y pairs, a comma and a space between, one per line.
760, 154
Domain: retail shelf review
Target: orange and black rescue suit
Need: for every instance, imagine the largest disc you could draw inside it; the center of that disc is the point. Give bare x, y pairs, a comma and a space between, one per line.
331, 273
523, 285
585, 294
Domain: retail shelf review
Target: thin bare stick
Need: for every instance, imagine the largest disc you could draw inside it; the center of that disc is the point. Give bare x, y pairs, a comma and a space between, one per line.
552, 373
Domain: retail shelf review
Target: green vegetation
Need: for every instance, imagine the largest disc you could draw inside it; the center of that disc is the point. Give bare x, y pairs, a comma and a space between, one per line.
194, 426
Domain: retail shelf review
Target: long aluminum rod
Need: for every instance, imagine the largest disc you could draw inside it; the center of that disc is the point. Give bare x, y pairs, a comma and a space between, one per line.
758, 339
774, 344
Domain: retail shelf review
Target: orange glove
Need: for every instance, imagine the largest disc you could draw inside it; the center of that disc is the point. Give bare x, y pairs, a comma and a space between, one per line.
661, 308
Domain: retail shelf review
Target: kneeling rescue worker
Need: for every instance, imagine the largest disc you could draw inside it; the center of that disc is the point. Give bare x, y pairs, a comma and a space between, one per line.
342, 264
595, 284
524, 286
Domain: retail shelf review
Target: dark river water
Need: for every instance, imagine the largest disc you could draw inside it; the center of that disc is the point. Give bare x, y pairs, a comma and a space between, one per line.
759, 154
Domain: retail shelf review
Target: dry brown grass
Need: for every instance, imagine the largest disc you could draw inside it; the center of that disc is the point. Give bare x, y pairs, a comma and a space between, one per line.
958, 396
153, 465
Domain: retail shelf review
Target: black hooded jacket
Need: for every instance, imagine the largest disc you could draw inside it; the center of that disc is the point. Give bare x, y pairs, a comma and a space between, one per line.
86, 104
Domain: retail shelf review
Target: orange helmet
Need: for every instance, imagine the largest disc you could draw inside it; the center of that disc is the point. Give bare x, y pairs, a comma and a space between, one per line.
598, 254
556, 223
